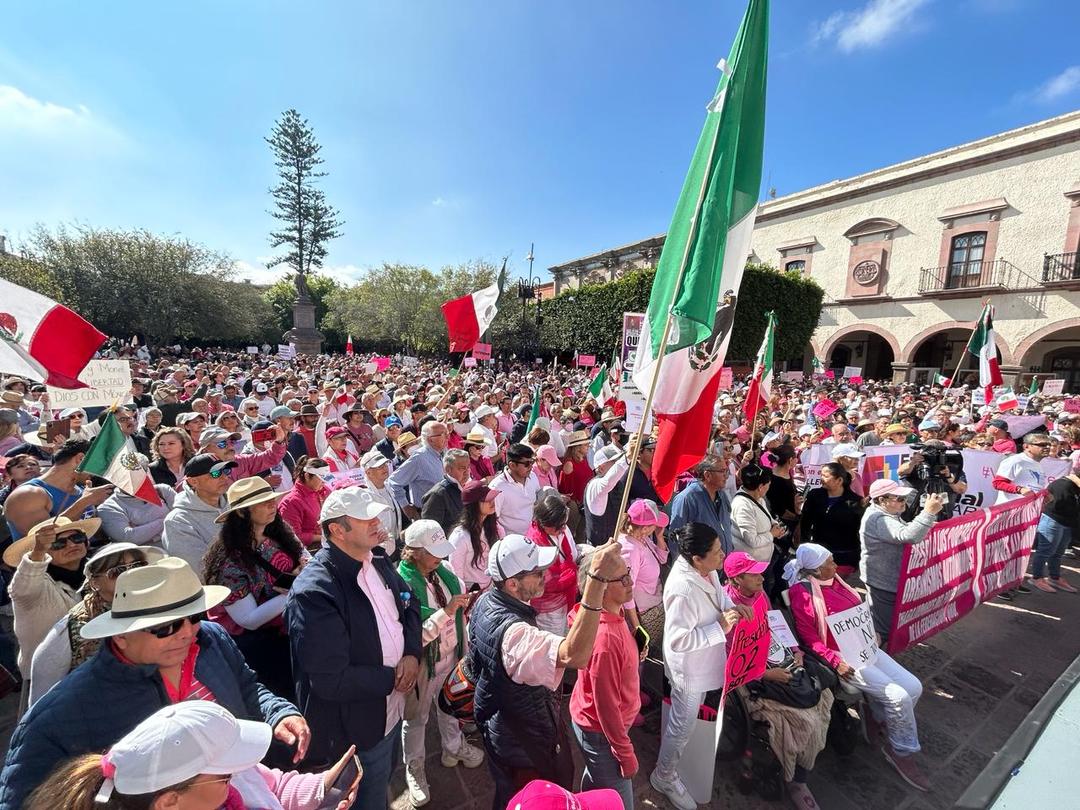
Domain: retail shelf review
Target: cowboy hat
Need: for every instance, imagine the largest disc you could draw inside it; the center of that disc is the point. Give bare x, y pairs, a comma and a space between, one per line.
576, 437
153, 595
405, 440
12, 399
14, 553
476, 436
248, 492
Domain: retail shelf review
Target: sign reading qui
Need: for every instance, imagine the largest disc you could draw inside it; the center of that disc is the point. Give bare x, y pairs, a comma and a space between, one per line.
109, 381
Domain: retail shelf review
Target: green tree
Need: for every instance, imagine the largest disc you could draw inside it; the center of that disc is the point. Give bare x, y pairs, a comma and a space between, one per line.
308, 221
280, 295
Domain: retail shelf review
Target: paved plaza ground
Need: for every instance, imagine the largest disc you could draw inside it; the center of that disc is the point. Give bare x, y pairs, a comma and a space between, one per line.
981, 678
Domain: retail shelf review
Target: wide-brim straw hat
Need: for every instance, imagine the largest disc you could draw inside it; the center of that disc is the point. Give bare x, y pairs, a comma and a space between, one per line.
153, 595
406, 439
14, 553
577, 437
248, 492
479, 438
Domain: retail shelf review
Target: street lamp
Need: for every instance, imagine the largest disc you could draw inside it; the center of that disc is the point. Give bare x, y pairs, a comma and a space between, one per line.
529, 290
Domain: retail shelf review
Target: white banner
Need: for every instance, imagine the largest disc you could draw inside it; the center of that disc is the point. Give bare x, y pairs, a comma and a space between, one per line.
109, 381
286, 351
853, 630
252, 349
1053, 388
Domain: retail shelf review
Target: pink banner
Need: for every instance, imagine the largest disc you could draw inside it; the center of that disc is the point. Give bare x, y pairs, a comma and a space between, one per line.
586, 360
482, 351
962, 562
825, 409
381, 363
1072, 405
856, 380
748, 648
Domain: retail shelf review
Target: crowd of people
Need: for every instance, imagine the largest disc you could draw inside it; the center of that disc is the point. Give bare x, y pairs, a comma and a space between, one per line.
337, 553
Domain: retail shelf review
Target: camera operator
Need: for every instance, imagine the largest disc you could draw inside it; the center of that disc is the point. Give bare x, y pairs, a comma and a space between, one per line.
934, 467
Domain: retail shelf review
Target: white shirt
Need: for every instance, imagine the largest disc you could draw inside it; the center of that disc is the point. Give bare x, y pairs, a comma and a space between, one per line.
461, 559
266, 404
389, 518
1022, 470
514, 506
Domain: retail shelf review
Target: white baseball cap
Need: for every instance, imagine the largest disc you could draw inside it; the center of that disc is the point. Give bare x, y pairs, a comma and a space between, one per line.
847, 450
352, 502
484, 410
179, 742
608, 452
428, 535
517, 554
373, 458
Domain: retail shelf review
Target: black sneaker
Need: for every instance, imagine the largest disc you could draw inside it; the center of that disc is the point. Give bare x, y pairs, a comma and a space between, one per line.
1023, 588
1008, 596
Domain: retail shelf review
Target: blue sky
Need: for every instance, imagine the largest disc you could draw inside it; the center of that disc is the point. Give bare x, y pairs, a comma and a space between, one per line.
456, 130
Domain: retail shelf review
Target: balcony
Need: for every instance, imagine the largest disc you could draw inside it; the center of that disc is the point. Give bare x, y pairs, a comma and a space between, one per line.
1061, 269
971, 278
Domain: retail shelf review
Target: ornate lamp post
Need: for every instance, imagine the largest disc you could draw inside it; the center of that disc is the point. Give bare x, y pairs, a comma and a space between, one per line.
529, 290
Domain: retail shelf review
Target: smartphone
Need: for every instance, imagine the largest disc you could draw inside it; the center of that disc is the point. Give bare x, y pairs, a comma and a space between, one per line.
641, 638
284, 580
344, 782
259, 436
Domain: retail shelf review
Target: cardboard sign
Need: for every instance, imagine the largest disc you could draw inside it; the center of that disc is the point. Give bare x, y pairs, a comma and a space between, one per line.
286, 351
853, 630
469, 362
631, 333
748, 649
586, 360
482, 351
726, 378
108, 381
852, 371
252, 349
825, 409
1053, 388
855, 380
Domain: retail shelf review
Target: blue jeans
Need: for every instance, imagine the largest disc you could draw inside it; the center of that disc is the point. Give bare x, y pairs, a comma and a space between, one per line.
1051, 540
378, 762
601, 768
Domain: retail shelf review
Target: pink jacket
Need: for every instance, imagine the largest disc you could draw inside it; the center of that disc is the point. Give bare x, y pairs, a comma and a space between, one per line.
606, 696
809, 615
560, 578
300, 509
643, 558
249, 464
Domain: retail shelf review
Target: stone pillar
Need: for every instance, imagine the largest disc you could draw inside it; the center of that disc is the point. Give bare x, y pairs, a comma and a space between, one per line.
900, 372
307, 338
1010, 375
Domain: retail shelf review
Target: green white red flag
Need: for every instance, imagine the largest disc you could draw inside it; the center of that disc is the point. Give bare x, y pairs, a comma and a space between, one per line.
757, 395
600, 388
943, 381
113, 456
982, 345
704, 255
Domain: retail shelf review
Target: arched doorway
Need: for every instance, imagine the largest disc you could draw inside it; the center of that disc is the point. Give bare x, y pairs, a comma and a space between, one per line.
942, 353
1054, 354
866, 350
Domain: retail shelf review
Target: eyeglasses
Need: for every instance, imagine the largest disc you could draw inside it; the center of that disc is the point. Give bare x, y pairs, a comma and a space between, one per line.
209, 782
1039, 444
173, 627
526, 463
117, 570
76, 538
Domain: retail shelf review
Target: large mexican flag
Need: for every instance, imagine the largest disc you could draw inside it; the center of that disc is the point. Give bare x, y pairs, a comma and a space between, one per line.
983, 346
704, 255
113, 456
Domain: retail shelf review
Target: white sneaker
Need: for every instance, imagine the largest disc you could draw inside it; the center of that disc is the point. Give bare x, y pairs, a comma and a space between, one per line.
468, 755
416, 781
674, 789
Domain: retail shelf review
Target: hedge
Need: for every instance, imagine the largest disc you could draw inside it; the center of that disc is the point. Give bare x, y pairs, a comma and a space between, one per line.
589, 319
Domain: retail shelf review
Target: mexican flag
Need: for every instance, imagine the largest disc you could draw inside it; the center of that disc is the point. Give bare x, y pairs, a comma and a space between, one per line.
760, 389
817, 366
534, 412
982, 346
943, 381
348, 347
704, 256
113, 456
468, 317
42, 340
1034, 389
599, 388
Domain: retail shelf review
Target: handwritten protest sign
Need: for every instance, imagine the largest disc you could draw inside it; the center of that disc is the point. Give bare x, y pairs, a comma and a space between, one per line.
726, 377
286, 351
586, 360
962, 562
469, 362
1053, 388
853, 630
482, 351
109, 381
825, 409
748, 649
1072, 405
853, 371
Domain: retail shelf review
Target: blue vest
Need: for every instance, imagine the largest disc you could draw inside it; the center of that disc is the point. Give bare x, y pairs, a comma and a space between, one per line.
521, 723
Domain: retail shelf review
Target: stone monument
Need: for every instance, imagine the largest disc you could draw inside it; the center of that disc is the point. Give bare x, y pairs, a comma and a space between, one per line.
304, 335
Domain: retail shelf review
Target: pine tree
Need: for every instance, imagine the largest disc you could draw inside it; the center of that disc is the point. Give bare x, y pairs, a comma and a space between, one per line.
309, 222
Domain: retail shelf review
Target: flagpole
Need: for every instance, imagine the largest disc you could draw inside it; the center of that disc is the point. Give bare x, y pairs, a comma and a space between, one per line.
963, 355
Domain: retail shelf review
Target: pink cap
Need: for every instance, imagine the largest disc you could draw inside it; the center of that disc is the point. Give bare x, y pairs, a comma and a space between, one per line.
548, 454
541, 795
335, 431
644, 512
739, 562
886, 486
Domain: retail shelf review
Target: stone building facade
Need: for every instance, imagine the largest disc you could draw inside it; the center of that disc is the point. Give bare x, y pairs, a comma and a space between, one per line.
908, 253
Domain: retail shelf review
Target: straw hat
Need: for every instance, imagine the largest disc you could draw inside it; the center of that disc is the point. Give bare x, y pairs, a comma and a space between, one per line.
14, 553
406, 439
248, 492
577, 437
477, 436
152, 595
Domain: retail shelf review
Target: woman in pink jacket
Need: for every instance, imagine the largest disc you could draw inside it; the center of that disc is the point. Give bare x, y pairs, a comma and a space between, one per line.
301, 505
560, 579
892, 692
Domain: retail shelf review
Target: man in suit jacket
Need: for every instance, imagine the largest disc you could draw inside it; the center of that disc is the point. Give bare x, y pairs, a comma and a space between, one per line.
442, 503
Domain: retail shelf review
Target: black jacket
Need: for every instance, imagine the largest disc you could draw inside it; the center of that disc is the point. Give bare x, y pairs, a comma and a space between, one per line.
337, 659
442, 503
836, 527
160, 472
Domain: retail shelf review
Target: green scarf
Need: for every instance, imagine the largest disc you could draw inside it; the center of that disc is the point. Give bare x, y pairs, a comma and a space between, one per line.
418, 583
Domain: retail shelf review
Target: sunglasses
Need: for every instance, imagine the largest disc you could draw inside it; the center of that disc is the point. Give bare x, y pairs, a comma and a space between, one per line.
526, 463
173, 627
76, 538
117, 570
221, 445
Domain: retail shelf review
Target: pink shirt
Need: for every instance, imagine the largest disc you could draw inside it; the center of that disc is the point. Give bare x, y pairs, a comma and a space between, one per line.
644, 559
391, 633
837, 598
531, 656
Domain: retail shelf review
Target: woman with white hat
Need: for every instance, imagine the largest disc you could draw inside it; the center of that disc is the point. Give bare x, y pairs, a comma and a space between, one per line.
256, 556
193, 755
63, 648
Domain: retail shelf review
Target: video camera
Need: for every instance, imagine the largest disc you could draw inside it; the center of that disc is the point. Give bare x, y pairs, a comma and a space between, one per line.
935, 458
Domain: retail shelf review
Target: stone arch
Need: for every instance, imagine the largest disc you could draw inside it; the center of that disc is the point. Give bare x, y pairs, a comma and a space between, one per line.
871, 226
874, 329
1028, 343
944, 326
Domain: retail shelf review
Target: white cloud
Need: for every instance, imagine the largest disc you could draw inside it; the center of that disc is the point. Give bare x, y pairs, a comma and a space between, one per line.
871, 25
26, 116
259, 273
1063, 84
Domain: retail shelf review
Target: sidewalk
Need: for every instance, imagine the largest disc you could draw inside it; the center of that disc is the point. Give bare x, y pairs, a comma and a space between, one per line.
980, 677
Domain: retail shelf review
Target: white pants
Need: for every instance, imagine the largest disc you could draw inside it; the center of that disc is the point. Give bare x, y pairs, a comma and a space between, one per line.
676, 733
413, 731
553, 621
893, 693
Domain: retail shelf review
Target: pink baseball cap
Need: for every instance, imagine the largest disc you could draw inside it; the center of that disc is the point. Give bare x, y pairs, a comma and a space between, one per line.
548, 454
739, 562
886, 486
541, 795
335, 431
644, 512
